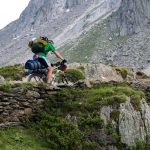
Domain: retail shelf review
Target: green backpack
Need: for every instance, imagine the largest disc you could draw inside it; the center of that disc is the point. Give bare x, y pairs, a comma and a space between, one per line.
37, 46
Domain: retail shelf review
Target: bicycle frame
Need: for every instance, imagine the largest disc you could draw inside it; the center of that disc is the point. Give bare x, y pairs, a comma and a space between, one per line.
37, 76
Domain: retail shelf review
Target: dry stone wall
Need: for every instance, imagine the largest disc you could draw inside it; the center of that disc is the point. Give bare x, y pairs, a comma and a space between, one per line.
19, 102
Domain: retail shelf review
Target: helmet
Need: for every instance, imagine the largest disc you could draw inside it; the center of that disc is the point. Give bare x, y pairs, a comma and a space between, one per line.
33, 39
44, 38
51, 41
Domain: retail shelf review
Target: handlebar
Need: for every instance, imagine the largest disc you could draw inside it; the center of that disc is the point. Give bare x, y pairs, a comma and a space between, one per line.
60, 65
57, 64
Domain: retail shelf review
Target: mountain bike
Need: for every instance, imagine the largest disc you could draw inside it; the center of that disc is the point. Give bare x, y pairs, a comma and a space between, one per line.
59, 76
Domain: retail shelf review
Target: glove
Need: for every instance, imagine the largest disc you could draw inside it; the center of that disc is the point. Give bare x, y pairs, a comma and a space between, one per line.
64, 61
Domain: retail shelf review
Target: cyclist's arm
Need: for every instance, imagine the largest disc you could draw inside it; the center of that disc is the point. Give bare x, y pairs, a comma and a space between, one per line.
57, 54
52, 49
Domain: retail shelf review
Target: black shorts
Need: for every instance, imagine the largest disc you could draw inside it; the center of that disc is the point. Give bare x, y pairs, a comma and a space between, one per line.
44, 62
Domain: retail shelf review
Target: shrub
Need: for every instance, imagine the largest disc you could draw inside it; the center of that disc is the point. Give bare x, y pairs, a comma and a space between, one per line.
6, 87
91, 121
123, 71
59, 133
74, 75
114, 115
12, 72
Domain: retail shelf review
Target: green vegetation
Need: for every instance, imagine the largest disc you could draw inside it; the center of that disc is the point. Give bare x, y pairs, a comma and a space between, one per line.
72, 114
58, 132
140, 145
71, 117
123, 71
18, 138
89, 122
6, 87
111, 131
12, 72
74, 75
114, 115
81, 68
89, 100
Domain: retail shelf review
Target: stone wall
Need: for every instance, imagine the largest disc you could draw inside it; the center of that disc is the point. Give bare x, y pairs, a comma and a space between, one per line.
17, 102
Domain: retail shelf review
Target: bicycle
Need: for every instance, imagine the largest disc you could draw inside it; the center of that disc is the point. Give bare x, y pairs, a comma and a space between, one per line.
59, 76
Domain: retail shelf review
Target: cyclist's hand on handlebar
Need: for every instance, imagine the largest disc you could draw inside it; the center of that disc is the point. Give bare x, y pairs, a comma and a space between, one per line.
56, 64
64, 61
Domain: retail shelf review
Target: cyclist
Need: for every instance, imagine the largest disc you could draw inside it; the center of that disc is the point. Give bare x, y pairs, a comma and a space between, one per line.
41, 55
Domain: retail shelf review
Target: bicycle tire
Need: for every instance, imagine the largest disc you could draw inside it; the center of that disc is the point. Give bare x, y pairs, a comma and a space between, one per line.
36, 78
59, 79
68, 77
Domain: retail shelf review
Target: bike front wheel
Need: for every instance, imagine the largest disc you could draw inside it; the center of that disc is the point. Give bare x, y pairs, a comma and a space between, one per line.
65, 79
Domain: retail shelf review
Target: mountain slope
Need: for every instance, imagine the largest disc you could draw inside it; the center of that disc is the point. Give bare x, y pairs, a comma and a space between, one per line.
121, 39
108, 31
60, 20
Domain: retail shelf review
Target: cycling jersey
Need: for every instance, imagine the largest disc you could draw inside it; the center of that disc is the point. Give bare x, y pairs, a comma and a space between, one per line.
47, 48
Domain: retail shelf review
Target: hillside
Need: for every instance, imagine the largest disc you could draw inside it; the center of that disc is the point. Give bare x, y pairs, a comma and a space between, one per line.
111, 113
121, 39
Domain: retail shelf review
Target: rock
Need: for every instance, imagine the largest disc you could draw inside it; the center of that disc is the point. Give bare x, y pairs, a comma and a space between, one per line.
105, 113
33, 94
40, 101
146, 71
145, 113
98, 72
67, 25
28, 111
2, 80
15, 119
131, 125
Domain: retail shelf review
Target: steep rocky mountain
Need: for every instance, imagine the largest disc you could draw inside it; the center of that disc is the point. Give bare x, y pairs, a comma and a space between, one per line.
121, 39
61, 20
108, 31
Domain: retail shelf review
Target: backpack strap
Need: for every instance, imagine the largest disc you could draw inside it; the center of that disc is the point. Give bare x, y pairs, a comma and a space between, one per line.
41, 41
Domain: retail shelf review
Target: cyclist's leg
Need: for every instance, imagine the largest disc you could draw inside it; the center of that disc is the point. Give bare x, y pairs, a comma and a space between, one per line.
49, 74
47, 65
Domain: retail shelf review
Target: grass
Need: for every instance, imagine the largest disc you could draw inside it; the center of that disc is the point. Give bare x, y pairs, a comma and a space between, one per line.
6, 87
89, 100
19, 138
14, 72
123, 71
74, 75
69, 117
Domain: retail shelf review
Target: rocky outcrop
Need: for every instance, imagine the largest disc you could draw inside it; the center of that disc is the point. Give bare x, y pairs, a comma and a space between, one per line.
98, 72
133, 126
132, 16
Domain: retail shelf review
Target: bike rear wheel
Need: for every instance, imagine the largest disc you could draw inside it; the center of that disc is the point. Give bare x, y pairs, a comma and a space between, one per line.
36, 78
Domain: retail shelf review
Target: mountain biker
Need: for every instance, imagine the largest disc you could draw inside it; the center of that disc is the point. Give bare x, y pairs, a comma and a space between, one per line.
41, 56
